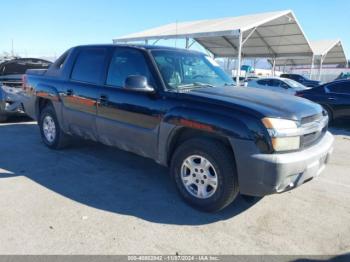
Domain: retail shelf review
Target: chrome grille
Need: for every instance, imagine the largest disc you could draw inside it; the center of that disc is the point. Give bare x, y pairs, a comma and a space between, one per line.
313, 118
312, 137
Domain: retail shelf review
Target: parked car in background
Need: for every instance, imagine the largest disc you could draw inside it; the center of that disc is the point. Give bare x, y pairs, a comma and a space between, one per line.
302, 80
333, 96
242, 80
179, 108
343, 76
277, 84
11, 74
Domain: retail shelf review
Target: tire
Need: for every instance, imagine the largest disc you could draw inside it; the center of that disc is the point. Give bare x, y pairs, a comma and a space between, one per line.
48, 120
330, 114
222, 164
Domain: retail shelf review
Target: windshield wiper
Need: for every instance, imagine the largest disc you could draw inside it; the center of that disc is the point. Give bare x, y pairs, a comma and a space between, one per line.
195, 84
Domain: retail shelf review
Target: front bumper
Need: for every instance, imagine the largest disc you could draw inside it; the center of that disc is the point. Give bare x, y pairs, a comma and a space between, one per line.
10, 101
263, 174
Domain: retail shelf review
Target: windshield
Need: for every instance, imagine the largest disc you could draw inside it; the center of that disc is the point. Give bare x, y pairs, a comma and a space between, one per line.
185, 70
294, 84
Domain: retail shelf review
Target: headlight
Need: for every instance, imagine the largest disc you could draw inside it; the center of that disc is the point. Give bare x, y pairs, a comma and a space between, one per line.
279, 124
281, 132
286, 143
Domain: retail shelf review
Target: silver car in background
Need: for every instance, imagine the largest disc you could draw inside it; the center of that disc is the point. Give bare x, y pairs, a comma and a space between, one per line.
277, 84
11, 74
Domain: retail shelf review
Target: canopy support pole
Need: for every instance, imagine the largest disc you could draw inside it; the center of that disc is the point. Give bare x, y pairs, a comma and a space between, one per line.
239, 57
191, 44
187, 43
273, 66
320, 70
249, 35
312, 66
155, 42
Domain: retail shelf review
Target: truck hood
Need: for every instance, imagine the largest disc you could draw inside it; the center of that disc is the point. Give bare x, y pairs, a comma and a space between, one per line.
266, 103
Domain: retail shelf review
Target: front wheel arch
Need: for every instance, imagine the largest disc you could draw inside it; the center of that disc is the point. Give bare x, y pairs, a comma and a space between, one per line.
181, 134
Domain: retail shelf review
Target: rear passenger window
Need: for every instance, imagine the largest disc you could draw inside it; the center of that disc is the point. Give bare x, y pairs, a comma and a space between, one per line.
126, 62
89, 66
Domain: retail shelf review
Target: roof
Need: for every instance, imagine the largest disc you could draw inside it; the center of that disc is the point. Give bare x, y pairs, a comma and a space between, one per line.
331, 51
273, 34
138, 46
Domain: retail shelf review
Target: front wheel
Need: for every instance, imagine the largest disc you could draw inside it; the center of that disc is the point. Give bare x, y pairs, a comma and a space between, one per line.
51, 132
329, 113
205, 174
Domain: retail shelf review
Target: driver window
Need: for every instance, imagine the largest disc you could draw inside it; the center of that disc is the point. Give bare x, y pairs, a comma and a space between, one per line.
170, 70
126, 62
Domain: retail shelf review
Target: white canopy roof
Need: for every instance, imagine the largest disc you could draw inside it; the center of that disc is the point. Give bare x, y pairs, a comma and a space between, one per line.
330, 51
274, 34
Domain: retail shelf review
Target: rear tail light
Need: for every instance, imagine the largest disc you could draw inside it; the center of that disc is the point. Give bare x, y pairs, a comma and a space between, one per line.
24, 82
299, 94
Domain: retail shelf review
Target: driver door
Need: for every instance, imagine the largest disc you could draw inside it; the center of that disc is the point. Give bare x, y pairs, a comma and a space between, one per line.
128, 119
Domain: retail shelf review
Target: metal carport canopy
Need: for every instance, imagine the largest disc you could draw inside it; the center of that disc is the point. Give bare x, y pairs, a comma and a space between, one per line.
330, 51
271, 35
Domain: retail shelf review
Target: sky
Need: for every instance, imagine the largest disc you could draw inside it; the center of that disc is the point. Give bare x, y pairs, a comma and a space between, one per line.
44, 28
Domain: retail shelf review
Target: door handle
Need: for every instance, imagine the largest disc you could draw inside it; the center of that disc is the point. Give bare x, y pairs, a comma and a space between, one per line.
103, 100
69, 92
331, 98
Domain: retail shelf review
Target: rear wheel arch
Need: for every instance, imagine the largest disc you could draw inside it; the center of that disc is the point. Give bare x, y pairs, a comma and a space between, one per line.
41, 103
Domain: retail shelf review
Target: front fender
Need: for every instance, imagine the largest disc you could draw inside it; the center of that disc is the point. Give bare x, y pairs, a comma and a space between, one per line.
230, 126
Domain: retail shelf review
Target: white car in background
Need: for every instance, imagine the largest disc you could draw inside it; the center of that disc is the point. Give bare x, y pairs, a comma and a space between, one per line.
277, 84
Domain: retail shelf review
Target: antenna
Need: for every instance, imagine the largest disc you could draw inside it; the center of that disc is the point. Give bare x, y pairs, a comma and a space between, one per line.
12, 50
176, 33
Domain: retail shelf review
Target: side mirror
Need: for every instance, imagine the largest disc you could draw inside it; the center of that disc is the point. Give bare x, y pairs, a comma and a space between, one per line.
138, 83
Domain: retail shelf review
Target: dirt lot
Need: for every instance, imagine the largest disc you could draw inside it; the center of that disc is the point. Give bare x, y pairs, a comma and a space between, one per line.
92, 199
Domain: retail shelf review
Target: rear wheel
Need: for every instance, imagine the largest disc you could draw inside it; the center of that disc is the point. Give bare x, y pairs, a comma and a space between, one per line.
205, 174
51, 132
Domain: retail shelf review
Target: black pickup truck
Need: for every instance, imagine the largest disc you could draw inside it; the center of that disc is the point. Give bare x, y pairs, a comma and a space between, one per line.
180, 109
